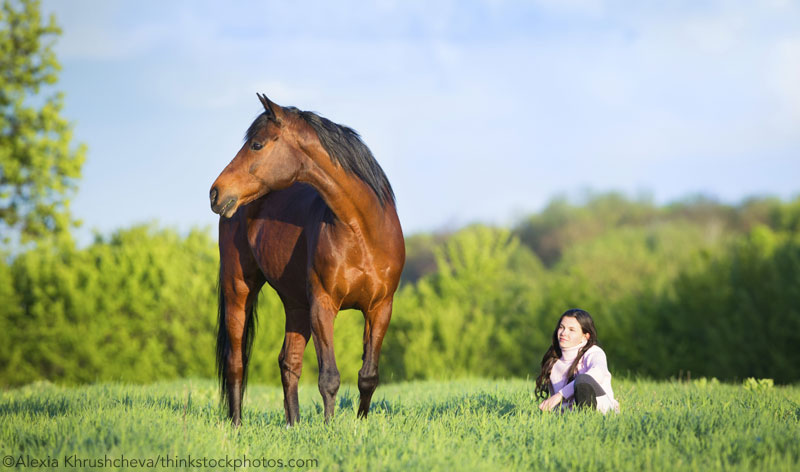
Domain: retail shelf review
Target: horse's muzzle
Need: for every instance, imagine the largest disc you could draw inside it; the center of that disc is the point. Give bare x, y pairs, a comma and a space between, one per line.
226, 207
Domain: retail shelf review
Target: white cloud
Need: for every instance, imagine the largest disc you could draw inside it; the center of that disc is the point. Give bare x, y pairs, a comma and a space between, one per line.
106, 30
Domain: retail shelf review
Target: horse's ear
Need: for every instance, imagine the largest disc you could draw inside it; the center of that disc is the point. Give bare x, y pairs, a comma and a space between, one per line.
269, 107
265, 101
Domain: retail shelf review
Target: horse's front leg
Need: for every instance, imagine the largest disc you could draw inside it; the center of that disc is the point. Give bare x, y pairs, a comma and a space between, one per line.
290, 360
376, 321
240, 280
323, 314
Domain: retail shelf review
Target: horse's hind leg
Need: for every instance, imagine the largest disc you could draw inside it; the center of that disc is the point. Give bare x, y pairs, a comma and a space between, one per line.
322, 316
290, 360
376, 321
238, 305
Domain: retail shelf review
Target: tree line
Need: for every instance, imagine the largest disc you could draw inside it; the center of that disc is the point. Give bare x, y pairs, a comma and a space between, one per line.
694, 287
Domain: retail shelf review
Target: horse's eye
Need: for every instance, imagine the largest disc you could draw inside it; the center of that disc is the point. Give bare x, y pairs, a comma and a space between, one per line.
256, 146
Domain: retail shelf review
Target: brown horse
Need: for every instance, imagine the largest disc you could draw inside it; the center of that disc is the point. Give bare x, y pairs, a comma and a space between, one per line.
306, 208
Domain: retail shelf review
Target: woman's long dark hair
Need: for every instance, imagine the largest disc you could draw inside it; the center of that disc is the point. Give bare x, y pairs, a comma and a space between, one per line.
544, 388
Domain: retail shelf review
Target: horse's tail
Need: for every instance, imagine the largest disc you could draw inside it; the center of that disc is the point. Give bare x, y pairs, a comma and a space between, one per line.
224, 344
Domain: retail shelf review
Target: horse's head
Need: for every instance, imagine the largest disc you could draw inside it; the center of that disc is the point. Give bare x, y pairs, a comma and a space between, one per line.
269, 160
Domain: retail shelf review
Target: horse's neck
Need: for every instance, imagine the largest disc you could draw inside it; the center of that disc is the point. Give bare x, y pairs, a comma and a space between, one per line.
351, 200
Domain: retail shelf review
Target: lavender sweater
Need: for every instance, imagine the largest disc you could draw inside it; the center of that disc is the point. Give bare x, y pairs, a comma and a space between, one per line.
593, 363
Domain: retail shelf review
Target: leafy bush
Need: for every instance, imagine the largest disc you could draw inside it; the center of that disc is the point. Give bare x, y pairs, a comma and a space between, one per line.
668, 293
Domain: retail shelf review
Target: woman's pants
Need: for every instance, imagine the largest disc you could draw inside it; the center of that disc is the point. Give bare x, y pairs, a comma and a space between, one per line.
587, 390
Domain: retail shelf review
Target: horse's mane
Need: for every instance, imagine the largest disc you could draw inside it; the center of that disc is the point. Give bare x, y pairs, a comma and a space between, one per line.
345, 147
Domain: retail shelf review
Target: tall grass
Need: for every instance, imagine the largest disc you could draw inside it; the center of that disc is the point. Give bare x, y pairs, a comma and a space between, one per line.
466, 424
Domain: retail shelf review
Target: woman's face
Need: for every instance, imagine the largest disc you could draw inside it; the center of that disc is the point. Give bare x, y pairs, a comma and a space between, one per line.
570, 333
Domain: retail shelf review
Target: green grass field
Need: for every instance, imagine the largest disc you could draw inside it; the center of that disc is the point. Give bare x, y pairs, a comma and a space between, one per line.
453, 425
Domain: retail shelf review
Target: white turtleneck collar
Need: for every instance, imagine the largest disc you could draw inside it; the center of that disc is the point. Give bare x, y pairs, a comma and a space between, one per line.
571, 353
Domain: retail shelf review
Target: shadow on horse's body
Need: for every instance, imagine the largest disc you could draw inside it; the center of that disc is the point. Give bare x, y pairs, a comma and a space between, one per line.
306, 208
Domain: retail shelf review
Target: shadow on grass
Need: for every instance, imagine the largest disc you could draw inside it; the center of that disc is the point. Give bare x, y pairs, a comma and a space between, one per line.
56, 404
481, 402
52, 407
471, 404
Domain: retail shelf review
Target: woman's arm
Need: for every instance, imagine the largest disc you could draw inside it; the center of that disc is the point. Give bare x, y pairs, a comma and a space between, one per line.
551, 402
596, 366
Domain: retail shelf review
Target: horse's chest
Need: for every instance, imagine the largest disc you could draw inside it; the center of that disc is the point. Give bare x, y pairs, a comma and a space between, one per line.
281, 253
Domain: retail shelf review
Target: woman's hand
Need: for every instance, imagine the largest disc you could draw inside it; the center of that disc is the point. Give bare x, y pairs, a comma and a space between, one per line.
551, 402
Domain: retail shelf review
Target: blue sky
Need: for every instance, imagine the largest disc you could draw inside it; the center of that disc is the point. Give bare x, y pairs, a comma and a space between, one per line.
477, 111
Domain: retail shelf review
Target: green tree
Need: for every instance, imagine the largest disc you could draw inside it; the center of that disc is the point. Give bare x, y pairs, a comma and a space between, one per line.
734, 315
470, 316
39, 169
138, 307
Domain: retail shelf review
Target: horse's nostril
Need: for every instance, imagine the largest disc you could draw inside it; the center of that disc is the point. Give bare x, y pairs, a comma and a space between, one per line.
213, 196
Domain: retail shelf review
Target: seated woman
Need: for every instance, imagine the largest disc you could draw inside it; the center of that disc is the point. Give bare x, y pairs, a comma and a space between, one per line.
574, 370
